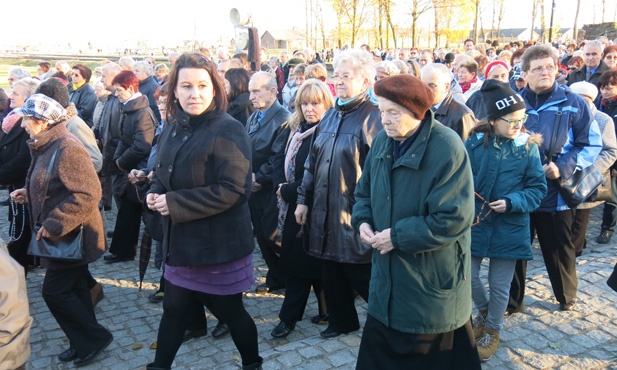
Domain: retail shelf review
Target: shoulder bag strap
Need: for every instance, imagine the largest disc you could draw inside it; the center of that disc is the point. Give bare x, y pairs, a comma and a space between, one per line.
49, 169
551, 147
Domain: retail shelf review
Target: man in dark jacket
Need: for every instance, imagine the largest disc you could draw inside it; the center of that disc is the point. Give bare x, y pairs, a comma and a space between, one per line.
448, 111
147, 85
593, 68
268, 137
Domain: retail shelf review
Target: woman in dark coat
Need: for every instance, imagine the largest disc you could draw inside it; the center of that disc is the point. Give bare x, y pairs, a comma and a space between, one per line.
14, 162
136, 127
82, 94
301, 270
69, 200
237, 87
340, 145
201, 185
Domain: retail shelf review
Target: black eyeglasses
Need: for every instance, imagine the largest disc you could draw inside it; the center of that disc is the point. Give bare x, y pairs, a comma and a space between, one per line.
515, 122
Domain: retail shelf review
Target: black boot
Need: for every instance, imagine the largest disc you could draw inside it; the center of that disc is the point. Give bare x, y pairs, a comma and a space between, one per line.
255, 366
151, 366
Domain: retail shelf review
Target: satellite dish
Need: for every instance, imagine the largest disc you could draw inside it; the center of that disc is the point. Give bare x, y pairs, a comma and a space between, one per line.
239, 19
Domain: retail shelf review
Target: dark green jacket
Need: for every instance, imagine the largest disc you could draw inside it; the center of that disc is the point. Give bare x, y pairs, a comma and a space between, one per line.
426, 199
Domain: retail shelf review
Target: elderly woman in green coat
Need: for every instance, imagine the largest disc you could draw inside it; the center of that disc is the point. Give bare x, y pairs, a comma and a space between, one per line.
414, 207
509, 183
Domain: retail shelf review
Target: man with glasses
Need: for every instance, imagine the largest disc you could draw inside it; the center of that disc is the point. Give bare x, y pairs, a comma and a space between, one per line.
593, 68
576, 145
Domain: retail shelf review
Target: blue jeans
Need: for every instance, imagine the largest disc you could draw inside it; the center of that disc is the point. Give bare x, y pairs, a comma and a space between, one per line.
500, 273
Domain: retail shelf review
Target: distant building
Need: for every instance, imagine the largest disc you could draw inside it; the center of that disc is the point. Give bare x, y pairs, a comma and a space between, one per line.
283, 39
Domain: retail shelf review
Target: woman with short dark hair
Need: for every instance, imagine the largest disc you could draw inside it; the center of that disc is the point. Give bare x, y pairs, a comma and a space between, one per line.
237, 87
82, 94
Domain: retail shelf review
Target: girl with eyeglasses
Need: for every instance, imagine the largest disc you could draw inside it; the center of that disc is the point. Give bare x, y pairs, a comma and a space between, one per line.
509, 183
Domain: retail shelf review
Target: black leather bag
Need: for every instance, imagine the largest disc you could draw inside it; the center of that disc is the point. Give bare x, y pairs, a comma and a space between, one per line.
604, 193
68, 247
580, 186
583, 183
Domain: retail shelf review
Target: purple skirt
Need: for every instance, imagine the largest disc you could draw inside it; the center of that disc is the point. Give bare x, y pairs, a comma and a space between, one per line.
223, 279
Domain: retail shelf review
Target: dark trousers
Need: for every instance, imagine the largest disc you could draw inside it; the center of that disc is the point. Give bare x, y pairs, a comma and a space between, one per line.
579, 230
126, 231
609, 216
176, 306
264, 216
67, 295
386, 348
107, 191
554, 231
297, 291
340, 281
516, 303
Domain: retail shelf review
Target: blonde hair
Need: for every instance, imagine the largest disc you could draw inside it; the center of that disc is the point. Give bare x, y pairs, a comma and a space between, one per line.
317, 71
311, 91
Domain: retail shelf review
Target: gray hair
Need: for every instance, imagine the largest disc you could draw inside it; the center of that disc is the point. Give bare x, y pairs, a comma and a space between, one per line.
389, 68
145, 67
362, 62
114, 67
438, 69
19, 73
161, 67
269, 82
30, 84
126, 62
401, 65
538, 52
597, 43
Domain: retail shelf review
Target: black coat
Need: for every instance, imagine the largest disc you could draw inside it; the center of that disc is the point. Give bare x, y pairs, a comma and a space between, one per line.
264, 135
451, 113
136, 134
611, 110
340, 145
241, 108
108, 134
85, 102
476, 104
581, 75
148, 87
203, 166
294, 259
14, 157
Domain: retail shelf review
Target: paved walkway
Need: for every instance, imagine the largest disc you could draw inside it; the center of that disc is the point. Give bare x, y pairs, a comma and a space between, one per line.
542, 337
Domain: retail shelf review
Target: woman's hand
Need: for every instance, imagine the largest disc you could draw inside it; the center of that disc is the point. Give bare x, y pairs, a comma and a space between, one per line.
160, 205
301, 214
151, 201
366, 233
383, 242
42, 233
137, 177
20, 196
498, 206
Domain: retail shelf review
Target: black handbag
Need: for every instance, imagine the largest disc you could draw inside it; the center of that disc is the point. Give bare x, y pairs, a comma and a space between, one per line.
582, 184
68, 247
612, 280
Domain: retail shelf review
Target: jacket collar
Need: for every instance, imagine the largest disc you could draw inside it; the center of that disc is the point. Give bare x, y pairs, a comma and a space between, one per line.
349, 107
413, 157
54, 133
444, 106
190, 123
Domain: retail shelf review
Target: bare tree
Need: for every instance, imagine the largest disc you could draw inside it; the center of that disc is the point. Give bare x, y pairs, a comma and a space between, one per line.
387, 11
418, 7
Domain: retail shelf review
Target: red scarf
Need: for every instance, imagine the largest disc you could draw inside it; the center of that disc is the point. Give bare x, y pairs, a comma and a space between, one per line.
466, 86
9, 122
604, 102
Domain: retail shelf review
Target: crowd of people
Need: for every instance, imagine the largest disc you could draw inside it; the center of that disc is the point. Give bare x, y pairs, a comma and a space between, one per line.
394, 176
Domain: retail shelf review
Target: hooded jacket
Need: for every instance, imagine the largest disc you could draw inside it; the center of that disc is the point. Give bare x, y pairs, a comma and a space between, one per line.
508, 169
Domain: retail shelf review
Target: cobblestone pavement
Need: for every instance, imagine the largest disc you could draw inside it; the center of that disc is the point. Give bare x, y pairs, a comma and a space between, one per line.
542, 337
